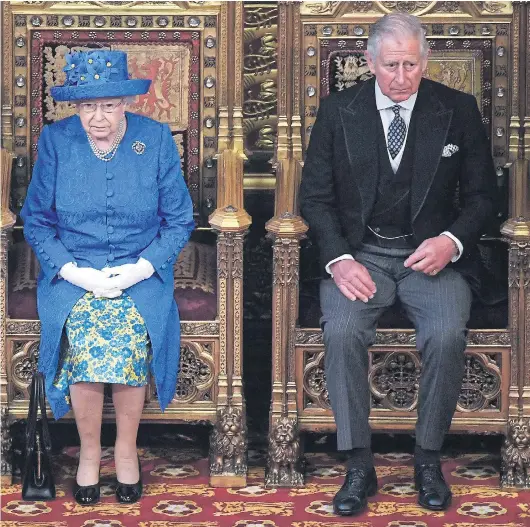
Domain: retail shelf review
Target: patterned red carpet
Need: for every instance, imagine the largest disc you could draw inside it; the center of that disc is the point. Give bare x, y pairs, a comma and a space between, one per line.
176, 493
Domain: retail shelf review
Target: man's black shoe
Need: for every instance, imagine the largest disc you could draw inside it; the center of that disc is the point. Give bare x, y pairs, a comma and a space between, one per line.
352, 496
433, 492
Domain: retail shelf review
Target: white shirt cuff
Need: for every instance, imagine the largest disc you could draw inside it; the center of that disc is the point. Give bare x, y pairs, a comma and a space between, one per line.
458, 244
342, 257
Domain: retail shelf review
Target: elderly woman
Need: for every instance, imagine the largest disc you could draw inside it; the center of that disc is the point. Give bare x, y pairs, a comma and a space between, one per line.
107, 213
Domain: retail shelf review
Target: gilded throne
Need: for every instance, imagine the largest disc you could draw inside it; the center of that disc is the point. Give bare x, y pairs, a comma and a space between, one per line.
186, 52
476, 47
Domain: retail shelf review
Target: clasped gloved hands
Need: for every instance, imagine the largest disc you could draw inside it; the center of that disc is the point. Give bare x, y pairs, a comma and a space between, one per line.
124, 276
89, 279
110, 281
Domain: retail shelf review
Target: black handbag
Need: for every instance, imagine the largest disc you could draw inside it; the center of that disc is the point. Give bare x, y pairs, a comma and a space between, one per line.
37, 479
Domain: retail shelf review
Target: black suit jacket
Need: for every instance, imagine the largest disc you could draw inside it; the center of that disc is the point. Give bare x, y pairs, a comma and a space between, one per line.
340, 175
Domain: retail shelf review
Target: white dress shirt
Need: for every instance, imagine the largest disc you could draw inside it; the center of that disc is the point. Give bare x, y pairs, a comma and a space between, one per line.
384, 105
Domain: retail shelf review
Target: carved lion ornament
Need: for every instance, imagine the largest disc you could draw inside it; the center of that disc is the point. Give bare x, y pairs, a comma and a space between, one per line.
228, 442
516, 454
284, 453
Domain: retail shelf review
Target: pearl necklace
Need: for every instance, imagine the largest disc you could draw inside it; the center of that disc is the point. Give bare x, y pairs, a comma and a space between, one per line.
107, 155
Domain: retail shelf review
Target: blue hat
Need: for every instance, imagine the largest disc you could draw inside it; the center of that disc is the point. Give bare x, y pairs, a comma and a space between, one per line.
95, 74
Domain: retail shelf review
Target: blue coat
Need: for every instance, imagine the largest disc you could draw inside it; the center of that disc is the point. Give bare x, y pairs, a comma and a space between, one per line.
95, 213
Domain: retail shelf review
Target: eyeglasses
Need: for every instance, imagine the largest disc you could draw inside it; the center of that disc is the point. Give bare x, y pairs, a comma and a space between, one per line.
106, 107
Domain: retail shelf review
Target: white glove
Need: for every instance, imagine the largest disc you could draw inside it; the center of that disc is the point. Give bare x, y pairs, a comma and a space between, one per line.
125, 276
89, 279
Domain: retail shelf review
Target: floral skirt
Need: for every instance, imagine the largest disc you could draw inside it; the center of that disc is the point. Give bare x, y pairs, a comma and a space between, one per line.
107, 341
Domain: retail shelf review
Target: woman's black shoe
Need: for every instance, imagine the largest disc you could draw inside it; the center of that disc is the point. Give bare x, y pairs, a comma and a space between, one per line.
130, 493
86, 495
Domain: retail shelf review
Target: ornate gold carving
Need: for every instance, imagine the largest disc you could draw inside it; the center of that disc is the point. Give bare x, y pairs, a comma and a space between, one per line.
3, 310
321, 8
297, 56
407, 337
314, 381
112, 4
238, 55
489, 338
360, 7
5, 438
283, 62
447, 7
23, 327
284, 464
516, 28
228, 443
223, 57
394, 380
309, 336
199, 328
481, 384
32, 327
519, 266
260, 17
515, 462
264, 105
196, 373
286, 261
237, 256
24, 362
224, 242
414, 8
7, 56
496, 7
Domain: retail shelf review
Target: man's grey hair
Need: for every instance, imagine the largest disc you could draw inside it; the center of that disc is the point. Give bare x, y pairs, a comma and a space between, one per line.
397, 26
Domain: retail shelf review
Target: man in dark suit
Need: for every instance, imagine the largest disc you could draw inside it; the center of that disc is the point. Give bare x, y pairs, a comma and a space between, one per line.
383, 167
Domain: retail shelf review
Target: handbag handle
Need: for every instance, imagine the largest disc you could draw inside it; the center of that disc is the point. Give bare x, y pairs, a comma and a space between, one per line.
37, 401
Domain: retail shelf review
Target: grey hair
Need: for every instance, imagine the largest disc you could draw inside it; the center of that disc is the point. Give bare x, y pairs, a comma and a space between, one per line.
396, 25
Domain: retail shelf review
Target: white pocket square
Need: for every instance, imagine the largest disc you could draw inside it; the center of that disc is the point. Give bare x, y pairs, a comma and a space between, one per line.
449, 150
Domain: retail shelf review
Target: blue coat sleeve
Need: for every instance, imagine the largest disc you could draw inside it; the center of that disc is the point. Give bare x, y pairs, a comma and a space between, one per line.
39, 214
175, 209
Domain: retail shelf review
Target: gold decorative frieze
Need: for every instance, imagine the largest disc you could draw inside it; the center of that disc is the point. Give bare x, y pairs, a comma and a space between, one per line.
394, 376
337, 9
32, 327
499, 338
260, 91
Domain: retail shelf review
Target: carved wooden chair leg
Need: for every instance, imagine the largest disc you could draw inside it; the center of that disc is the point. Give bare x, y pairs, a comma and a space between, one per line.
285, 466
515, 452
6, 447
228, 447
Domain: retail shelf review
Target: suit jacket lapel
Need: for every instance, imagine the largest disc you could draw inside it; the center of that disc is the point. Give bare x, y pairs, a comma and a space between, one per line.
432, 124
360, 133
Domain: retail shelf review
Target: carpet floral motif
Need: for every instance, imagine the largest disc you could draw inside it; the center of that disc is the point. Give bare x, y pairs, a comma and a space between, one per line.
177, 494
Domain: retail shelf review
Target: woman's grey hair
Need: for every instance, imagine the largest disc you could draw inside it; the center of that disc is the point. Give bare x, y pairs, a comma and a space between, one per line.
397, 26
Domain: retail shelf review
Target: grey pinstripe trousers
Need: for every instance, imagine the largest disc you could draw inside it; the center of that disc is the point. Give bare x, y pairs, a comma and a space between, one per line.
438, 307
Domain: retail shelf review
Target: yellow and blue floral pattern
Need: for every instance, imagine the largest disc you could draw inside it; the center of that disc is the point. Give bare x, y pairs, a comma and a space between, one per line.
107, 342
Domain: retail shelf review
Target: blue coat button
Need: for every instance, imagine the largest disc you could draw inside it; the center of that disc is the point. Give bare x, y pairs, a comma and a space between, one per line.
111, 257
110, 175
46, 256
110, 229
163, 266
110, 193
